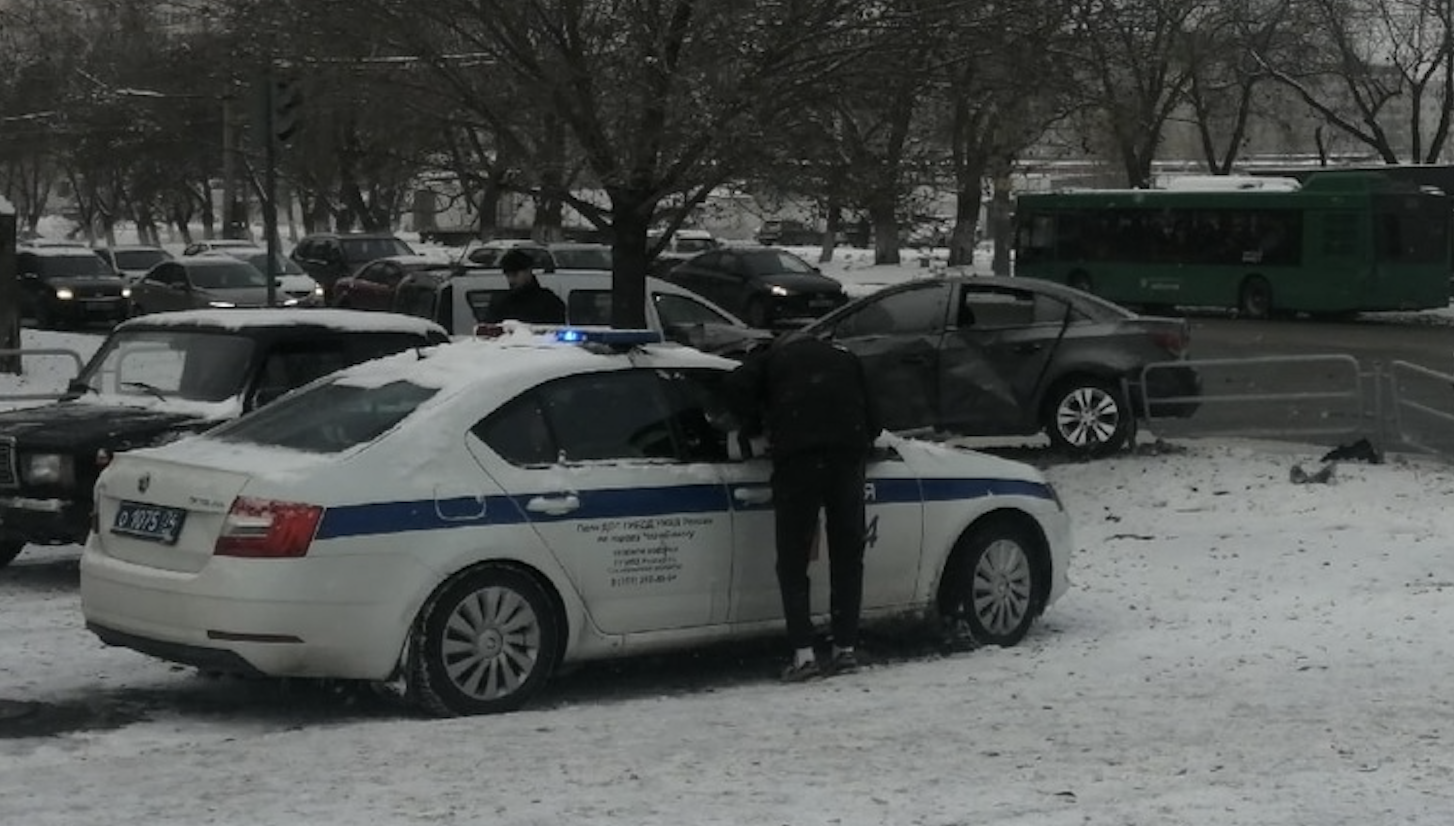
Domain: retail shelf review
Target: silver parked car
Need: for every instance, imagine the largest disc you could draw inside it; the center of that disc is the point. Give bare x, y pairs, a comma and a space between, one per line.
199, 282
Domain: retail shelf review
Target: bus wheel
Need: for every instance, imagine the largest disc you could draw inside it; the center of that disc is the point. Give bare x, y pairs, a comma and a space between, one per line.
1079, 281
1255, 299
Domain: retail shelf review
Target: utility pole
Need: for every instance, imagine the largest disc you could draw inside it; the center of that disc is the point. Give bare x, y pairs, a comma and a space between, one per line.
9, 291
279, 100
229, 170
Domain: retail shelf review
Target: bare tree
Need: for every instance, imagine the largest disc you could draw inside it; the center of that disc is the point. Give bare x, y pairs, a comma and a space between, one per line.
662, 99
1006, 81
1133, 57
1227, 92
1381, 71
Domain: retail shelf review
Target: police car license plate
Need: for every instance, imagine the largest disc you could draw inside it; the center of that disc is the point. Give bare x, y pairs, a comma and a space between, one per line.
154, 523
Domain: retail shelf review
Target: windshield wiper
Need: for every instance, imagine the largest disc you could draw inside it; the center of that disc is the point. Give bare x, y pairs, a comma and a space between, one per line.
150, 388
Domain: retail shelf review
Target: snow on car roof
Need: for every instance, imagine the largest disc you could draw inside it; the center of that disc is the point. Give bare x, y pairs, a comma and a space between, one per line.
522, 353
77, 251
238, 319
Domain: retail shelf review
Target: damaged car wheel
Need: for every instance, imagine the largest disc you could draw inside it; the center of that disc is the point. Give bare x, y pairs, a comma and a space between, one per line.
1088, 416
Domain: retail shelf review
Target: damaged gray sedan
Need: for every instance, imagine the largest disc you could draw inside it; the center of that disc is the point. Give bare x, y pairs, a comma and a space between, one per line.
1004, 356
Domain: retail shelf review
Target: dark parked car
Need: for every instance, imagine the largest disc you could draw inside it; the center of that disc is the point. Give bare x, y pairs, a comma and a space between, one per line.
210, 280
996, 356
788, 233
487, 254
766, 287
373, 286
160, 377
330, 256
69, 286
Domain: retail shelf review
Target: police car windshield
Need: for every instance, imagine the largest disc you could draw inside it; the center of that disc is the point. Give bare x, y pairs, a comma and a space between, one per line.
328, 417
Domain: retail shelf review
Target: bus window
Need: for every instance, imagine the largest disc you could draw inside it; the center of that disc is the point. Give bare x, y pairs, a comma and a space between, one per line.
1314, 247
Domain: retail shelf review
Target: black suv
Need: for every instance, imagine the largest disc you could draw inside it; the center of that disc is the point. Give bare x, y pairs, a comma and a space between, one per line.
159, 377
329, 256
69, 285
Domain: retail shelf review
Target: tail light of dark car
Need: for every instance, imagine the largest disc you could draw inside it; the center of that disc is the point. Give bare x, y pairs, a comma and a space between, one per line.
1174, 341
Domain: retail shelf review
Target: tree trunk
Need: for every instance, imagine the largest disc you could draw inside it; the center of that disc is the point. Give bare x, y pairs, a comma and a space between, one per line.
9, 297
489, 207
999, 219
831, 225
967, 199
882, 213
631, 212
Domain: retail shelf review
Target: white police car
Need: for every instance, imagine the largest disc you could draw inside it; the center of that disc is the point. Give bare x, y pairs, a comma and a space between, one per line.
471, 516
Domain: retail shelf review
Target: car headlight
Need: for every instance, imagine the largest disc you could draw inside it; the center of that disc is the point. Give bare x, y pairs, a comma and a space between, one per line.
48, 469
780, 291
64, 294
318, 291
221, 305
126, 292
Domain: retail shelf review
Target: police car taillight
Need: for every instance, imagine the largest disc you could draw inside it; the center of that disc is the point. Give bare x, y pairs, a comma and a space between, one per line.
489, 330
267, 529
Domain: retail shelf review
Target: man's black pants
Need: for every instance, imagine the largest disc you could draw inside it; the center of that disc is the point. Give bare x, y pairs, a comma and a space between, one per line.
803, 483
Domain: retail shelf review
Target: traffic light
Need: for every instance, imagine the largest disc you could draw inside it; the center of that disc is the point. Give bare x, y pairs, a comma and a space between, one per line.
285, 104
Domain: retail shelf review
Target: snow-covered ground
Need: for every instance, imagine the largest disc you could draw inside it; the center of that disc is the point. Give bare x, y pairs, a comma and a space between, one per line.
1236, 650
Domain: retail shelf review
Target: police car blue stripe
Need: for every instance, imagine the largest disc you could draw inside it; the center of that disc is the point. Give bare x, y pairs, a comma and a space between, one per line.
378, 518
381, 518
946, 490
621, 503
375, 518
895, 491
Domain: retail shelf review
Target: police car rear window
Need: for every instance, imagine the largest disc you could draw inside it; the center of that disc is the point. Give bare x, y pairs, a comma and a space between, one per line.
328, 417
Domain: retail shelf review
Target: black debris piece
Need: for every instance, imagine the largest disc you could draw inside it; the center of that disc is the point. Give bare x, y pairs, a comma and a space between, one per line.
1359, 451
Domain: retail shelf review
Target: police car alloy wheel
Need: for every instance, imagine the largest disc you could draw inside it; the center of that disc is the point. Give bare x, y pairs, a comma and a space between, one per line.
992, 584
1088, 416
485, 643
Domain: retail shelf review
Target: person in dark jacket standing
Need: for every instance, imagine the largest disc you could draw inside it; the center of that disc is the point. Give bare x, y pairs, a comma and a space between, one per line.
526, 301
821, 420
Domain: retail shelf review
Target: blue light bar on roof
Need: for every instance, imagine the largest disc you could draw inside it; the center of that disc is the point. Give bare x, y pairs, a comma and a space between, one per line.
609, 338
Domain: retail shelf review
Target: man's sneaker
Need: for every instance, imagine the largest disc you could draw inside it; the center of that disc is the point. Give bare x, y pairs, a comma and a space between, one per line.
802, 672
843, 662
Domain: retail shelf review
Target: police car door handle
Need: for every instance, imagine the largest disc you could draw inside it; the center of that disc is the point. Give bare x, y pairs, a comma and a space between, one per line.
752, 496
554, 505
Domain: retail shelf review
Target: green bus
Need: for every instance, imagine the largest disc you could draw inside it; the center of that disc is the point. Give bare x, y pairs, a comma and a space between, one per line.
1341, 243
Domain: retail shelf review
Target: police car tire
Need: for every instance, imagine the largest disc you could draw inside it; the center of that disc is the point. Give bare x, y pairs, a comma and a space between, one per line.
507, 595
993, 587
9, 549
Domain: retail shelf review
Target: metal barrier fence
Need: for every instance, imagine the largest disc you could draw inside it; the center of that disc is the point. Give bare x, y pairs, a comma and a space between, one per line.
1420, 403
40, 351
1322, 399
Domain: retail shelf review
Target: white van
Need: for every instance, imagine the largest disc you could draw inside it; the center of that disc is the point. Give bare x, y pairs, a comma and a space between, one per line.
462, 300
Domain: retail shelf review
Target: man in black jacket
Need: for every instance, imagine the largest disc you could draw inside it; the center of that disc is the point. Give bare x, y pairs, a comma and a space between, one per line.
526, 301
821, 422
